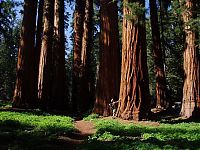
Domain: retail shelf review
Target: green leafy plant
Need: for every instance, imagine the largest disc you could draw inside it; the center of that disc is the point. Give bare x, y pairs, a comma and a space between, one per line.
91, 117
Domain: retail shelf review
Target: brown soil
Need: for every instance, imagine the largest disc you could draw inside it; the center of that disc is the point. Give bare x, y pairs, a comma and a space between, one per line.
83, 130
85, 127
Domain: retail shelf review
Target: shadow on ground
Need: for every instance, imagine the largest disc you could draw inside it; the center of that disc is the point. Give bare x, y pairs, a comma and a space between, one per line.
15, 135
110, 135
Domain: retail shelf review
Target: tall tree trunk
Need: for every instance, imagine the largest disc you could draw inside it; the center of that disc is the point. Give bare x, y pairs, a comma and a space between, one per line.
78, 35
134, 88
190, 64
59, 77
39, 30
45, 65
197, 114
162, 29
109, 68
25, 93
161, 100
198, 102
86, 78
38, 39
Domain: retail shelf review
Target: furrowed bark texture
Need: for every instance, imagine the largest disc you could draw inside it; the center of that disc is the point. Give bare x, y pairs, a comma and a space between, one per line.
190, 65
39, 31
45, 65
78, 35
161, 99
59, 91
108, 79
87, 93
25, 93
134, 90
38, 43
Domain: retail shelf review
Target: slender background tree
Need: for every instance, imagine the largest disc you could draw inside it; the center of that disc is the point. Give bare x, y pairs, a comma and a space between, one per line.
59, 90
78, 35
161, 99
45, 65
38, 43
86, 54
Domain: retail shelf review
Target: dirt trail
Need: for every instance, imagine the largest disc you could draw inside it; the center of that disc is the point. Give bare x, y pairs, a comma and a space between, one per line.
85, 127
83, 130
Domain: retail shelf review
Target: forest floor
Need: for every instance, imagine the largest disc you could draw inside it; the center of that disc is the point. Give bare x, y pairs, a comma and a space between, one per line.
34, 129
83, 129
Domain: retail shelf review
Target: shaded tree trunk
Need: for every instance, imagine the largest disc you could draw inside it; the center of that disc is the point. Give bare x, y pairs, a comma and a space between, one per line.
108, 79
198, 102
161, 100
38, 39
87, 95
39, 30
59, 91
45, 65
161, 17
134, 88
25, 93
190, 64
78, 35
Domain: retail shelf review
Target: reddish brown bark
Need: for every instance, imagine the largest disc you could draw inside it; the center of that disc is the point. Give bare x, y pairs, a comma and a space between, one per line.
78, 35
161, 99
134, 90
190, 64
45, 65
59, 91
109, 68
25, 93
86, 99
39, 32
39, 29
38, 43
198, 102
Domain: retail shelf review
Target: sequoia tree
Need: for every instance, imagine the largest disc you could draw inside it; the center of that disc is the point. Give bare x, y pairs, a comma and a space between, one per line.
45, 65
25, 93
59, 77
39, 33
158, 58
134, 90
108, 79
86, 49
190, 64
38, 42
78, 35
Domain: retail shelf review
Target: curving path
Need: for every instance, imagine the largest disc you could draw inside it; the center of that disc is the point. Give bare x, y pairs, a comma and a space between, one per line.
83, 130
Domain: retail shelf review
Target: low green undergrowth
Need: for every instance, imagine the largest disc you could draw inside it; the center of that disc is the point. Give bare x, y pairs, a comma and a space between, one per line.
5, 104
41, 123
28, 130
91, 117
113, 134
